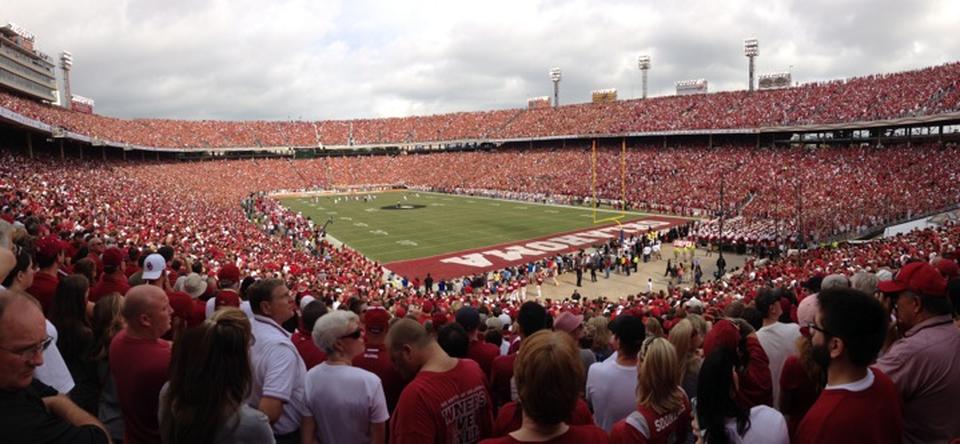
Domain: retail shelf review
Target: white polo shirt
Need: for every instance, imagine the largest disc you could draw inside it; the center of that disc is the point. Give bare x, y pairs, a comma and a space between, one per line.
278, 372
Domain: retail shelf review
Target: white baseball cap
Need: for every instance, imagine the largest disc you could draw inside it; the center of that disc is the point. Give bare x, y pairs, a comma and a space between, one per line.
153, 267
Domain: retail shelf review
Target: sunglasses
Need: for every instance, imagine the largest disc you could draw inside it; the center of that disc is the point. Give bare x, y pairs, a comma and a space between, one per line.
354, 335
809, 327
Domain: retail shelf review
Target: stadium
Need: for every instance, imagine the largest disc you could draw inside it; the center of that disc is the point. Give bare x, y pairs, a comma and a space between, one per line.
771, 191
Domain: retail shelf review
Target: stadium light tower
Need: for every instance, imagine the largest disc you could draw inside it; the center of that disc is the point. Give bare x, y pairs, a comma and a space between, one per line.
751, 49
66, 62
643, 62
555, 76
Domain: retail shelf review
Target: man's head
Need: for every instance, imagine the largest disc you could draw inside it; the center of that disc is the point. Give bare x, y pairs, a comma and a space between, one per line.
919, 292
153, 267
23, 337
408, 343
768, 304
469, 319
229, 277
850, 326
569, 323
147, 311
376, 320
271, 298
531, 318
629, 332
50, 252
113, 260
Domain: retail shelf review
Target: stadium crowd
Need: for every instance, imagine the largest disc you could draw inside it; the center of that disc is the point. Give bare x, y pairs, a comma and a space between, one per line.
163, 302
922, 92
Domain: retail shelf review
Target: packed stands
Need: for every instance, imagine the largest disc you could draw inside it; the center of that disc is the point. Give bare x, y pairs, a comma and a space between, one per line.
924, 92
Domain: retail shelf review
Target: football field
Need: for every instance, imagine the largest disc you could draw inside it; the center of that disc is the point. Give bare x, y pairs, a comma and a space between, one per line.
398, 227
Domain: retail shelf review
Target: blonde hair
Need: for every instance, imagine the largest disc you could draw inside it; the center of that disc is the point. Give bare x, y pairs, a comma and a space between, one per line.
658, 377
596, 329
549, 376
681, 337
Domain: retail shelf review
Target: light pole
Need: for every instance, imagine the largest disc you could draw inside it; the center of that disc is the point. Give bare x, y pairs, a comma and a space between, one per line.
751, 49
555, 77
66, 63
643, 62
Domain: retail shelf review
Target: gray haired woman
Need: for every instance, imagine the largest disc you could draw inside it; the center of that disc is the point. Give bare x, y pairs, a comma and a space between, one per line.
346, 402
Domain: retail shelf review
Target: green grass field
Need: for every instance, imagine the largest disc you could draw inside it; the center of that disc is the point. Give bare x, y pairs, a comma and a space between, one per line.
445, 223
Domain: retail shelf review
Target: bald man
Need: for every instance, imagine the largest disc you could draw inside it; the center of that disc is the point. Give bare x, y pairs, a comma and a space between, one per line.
139, 361
31, 411
447, 401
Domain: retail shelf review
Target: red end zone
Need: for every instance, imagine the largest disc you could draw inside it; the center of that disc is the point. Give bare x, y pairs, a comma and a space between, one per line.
495, 257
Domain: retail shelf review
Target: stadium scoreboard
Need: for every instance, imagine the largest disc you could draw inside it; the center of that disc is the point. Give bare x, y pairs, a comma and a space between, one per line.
538, 102
604, 95
688, 87
774, 80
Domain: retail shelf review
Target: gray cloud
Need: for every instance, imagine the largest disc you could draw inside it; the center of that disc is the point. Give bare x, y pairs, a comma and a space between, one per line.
330, 59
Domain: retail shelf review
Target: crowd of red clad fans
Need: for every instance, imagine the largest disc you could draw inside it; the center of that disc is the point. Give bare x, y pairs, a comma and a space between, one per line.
815, 361
923, 92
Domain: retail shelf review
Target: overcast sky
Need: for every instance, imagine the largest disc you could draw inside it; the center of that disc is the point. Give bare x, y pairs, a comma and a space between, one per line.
331, 59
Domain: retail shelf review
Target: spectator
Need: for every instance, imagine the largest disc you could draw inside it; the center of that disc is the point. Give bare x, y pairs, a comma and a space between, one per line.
753, 369
531, 318
140, 361
663, 410
375, 357
302, 338
802, 377
924, 364
21, 276
75, 339
210, 378
446, 401
347, 403
549, 380
228, 284
106, 322
31, 411
779, 340
113, 278
50, 257
858, 404
686, 341
453, 339
480, 351
599, 337
572, 325
611, 385
721, 417
154, 273
278, 370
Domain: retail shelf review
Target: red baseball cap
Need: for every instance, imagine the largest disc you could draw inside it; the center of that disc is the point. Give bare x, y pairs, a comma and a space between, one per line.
917, 277
948, 268
50, 246
113, 257
723, 334
230, 273
376, 320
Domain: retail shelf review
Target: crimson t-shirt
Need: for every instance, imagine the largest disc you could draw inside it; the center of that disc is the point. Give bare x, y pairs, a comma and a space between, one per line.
842, 416
510, 417
107, 284
44, 289
484, 353
444, 407
667, 428
575, 435
797, 392
376, 360
311, 354
501, 373
139, 367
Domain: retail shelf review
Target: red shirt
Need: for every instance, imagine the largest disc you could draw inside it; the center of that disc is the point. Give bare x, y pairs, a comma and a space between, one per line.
756, 383
842, 416
375, 359
658, 429
311, 354
510, 417
109, 283
139, 368
797, 392
484, 353
44, 288
501, 372
449, 407
575, 435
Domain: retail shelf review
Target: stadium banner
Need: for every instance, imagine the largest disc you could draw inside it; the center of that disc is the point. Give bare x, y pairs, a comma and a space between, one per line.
463, 263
